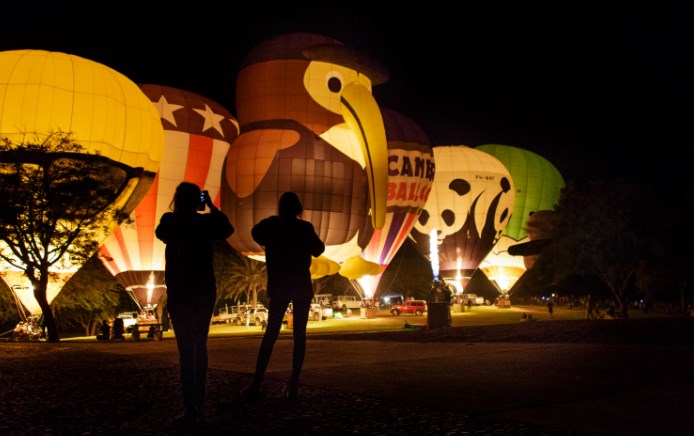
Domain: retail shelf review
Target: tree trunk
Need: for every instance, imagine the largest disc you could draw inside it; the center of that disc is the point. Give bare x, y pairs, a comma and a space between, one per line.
48, 318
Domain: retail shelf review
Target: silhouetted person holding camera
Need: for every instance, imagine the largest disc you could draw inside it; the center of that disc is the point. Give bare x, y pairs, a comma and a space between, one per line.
289, 243
191, 288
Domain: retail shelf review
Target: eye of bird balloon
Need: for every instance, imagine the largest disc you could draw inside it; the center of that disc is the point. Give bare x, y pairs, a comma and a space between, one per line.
325, 81
334, 84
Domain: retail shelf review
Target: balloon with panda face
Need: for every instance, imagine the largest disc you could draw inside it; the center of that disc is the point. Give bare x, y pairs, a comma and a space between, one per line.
468, 209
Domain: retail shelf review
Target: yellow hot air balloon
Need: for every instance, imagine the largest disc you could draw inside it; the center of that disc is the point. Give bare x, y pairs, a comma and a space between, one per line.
44, 92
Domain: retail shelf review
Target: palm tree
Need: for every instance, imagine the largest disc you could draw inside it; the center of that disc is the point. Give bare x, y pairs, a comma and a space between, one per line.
246, 276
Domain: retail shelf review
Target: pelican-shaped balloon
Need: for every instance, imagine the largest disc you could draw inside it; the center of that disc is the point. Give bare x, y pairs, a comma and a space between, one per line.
309, 124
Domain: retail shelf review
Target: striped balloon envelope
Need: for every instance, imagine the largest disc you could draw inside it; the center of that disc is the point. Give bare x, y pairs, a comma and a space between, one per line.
410, 177
197, 135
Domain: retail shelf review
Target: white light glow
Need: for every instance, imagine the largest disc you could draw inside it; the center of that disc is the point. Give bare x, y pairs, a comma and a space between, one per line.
434, 253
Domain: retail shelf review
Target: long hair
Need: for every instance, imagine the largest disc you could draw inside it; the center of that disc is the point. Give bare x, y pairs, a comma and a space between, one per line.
289, 205
186, 198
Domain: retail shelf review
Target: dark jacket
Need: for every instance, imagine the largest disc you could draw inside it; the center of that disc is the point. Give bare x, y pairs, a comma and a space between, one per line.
289, 244
189, 248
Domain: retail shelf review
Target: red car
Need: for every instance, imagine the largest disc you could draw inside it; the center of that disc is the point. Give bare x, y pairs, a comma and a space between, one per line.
418, 307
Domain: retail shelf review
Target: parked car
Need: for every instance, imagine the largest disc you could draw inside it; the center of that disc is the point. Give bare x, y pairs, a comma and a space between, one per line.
129, 320
226, 315
418, 307
341, 302
256, 316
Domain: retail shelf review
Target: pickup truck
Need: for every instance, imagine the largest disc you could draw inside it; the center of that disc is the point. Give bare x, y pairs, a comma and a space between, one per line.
226, 315
129, 320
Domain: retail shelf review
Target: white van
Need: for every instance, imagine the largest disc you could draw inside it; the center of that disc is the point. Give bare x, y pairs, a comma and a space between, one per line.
341, 302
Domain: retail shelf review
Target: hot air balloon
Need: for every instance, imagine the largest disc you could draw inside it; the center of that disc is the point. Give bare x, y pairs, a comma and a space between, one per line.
309, 124
538, 185
197, 132
410, 177
468, 208
44, 92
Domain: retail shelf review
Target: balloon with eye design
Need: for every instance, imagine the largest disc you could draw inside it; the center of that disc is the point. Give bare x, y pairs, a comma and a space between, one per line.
309, 124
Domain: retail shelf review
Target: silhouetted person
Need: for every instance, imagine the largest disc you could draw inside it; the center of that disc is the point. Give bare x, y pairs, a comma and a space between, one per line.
105, 330
118, 329
550, 308
590, 307
289, 244
191, 288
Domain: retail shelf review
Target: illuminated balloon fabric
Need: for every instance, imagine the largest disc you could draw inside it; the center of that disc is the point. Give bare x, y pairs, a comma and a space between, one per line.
290, 96
469, 207
25, 292
411, 174
537, 183
44, 92
502, 268
322, 266
198, 132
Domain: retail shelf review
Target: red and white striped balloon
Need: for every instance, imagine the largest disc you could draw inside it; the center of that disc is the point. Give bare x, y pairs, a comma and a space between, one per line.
198, 132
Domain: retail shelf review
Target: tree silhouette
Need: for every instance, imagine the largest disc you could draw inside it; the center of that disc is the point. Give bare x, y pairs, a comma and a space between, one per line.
605, 229
90, 296
56, 207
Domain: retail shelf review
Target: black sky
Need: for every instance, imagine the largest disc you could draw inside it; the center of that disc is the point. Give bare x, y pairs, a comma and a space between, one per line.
599, 91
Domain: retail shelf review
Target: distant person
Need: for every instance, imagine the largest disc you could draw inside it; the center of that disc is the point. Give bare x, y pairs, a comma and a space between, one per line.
469, 304
550, 308
191, 288
289, 243
118, 329
104, 331
590, 307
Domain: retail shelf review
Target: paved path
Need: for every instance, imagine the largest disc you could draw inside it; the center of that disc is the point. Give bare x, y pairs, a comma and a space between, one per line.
384, 384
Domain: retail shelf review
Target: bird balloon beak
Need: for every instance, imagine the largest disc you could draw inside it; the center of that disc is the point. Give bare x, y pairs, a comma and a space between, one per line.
363, 116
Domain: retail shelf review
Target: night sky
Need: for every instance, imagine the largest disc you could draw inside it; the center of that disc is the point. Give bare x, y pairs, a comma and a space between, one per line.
599, 91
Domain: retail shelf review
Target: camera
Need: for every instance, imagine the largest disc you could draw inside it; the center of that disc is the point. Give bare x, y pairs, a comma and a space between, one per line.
203, 199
